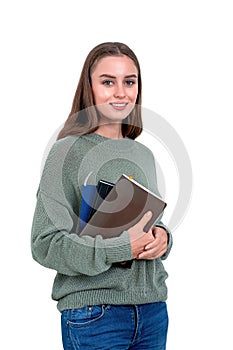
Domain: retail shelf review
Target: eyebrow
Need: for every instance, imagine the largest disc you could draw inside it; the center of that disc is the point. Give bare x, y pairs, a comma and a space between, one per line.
113, 77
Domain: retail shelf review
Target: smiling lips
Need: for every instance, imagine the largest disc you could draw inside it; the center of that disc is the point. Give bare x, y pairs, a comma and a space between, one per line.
119, 106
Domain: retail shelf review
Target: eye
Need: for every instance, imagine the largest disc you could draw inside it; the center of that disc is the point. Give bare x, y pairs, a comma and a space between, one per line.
130, 82
107, 82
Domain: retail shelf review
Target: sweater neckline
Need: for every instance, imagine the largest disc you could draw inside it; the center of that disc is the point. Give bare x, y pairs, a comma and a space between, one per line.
99, 137
120, 144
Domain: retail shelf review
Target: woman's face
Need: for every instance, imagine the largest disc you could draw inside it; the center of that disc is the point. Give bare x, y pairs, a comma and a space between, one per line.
115, 86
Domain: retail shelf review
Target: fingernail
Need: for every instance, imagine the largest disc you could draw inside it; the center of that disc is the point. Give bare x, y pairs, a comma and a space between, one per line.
149, 213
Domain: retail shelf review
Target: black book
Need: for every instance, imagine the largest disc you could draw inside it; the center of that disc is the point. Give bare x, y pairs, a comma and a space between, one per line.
102, 190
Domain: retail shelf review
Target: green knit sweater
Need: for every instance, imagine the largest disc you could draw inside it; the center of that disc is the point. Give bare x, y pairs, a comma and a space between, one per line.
86, 274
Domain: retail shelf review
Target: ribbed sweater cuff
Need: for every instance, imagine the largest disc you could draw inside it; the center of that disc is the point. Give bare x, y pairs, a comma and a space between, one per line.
118, 249
170, 240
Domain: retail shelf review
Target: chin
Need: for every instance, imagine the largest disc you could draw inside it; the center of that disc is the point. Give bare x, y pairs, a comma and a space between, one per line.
110, 114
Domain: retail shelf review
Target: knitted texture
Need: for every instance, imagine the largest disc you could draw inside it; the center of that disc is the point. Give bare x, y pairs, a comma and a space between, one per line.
86, 274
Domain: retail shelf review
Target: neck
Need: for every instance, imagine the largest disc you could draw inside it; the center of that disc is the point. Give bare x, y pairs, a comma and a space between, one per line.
111, 131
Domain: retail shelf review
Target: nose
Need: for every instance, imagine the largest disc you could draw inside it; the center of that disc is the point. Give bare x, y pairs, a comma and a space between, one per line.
119, 91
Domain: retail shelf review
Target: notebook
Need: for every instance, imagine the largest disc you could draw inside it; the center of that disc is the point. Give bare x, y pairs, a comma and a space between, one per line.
88, 195
102, 190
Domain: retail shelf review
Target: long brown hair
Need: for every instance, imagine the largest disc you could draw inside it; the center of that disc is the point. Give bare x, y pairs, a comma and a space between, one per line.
83, 117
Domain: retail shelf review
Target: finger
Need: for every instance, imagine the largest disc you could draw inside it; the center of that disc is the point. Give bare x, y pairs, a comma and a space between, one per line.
150, 255
160, 240
146, 256
155, 244
156, 251
145, 219
160, 233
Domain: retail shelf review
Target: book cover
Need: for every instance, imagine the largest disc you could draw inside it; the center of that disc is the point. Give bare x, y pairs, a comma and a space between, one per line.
103, 188
92, 197
122, 208
88, 195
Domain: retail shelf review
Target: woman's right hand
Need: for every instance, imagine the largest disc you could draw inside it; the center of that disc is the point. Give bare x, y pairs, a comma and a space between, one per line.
138, 238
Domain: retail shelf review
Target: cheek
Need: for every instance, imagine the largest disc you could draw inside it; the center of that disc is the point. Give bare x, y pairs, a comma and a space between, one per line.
100, 95
133, 94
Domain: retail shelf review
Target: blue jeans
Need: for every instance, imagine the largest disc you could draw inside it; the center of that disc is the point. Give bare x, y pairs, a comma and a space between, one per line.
113, 327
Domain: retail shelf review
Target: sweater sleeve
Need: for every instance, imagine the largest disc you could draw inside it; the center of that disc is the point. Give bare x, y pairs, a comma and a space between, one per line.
170, 239
54, 241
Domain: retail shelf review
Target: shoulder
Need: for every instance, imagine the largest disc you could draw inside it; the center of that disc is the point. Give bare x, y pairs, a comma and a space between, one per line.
56, 168
60, 149
67, 152
68, 146
143, 150
59, 153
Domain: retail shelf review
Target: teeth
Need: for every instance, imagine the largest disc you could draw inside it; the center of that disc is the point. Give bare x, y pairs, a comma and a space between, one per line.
119, 104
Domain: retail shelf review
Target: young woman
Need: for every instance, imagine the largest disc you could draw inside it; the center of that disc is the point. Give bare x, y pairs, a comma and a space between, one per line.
104, 303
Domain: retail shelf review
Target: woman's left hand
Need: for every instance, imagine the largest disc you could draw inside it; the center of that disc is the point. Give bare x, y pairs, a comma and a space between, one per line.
158, 247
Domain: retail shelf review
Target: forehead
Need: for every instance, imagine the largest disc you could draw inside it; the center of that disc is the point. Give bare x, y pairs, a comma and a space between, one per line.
117, 65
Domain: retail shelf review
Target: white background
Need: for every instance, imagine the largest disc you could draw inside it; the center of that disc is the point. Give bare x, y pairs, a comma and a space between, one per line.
185, 51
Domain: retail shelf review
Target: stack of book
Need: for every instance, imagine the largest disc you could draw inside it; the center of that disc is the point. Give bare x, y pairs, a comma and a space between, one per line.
109, 209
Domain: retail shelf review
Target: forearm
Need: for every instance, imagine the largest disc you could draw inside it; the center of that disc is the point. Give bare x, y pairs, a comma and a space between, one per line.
56, 247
